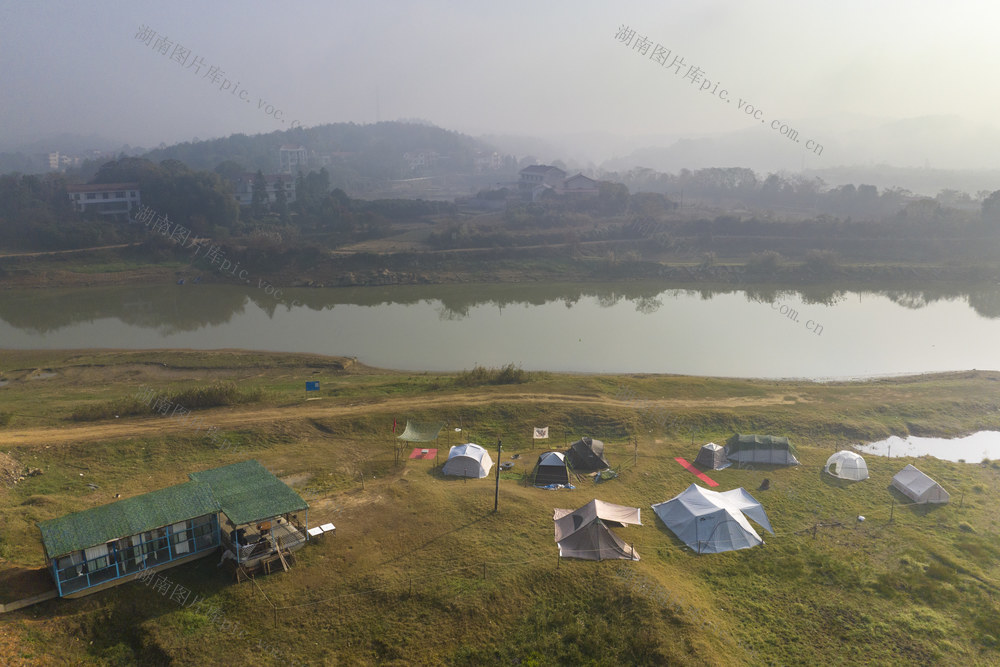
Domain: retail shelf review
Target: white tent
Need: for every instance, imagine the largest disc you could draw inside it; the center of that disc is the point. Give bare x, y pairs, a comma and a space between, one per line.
468, 460
918, 487
847, 465
712, 522
585, 534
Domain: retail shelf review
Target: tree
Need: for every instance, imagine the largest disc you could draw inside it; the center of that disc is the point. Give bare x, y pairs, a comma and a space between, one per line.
991, 208
230, 169
281, 201
259, 198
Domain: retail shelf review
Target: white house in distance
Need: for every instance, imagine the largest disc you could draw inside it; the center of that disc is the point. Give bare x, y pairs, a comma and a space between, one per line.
292, 158
578, 185
105, 198
540, 178
243, 187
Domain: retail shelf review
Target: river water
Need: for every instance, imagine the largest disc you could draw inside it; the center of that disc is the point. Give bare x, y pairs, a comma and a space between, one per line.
766, 332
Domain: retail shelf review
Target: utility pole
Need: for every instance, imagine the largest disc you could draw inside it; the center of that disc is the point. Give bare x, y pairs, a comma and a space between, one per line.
496, 493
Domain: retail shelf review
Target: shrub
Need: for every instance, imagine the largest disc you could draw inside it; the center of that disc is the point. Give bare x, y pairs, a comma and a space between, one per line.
764, 262
821, 261
508, 374
220, 393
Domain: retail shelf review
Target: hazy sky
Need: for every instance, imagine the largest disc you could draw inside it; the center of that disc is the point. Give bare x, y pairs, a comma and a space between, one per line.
514, 67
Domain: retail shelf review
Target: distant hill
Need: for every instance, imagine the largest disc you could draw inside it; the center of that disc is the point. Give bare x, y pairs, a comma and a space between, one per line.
373, 151
927, 142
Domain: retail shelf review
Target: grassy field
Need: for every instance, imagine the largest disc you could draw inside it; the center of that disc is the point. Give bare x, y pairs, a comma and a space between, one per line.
422, 571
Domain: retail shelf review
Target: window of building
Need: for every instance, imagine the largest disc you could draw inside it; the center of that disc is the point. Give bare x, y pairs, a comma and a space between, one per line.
91, 195
105, 195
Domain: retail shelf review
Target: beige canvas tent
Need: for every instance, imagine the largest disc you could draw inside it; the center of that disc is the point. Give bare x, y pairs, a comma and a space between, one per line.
585, 533
918, 487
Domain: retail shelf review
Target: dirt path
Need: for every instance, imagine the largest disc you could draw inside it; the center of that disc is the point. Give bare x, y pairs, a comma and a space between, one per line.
240, 418
65, 252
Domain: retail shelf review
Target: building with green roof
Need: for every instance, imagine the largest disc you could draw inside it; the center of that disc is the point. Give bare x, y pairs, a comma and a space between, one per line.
98, 547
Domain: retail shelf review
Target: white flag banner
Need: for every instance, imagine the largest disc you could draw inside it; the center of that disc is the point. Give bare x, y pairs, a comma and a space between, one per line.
541, 433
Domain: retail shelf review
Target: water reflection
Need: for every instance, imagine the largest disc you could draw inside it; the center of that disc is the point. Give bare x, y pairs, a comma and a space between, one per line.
817, 331
177, 308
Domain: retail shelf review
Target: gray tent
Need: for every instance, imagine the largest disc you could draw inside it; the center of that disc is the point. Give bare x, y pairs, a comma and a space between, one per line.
712, 456
712, 522
587, 455
766, 449
585, 534
551, 469
918, 487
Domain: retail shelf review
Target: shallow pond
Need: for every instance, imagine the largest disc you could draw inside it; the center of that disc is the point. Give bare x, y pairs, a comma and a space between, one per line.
970, 449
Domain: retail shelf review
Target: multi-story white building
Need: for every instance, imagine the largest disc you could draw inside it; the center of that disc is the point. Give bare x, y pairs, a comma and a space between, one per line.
243, 188
105, 198
292, 159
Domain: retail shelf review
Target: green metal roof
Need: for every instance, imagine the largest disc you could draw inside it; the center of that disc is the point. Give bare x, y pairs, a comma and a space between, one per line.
741, 441
248, 492
131, 516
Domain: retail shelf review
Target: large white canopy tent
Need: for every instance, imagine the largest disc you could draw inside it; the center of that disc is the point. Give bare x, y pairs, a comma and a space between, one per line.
585, 534
713, 521
918, 487
846, 464
468, 460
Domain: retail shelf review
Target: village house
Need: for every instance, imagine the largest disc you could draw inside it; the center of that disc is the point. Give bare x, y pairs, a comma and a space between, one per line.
241, 508
243, 187
292, 158
539, 179
117, 199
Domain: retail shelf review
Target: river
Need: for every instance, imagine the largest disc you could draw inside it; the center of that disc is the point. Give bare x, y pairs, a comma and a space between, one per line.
765, 332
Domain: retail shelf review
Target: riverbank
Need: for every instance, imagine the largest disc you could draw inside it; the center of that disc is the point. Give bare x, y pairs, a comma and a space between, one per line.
121, 266
420, 563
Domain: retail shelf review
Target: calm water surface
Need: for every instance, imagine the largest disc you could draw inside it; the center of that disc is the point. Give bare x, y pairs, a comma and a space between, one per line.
629, 327
972, 449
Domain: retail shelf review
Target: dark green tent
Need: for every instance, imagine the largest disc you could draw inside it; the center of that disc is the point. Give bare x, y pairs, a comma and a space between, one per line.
765, 449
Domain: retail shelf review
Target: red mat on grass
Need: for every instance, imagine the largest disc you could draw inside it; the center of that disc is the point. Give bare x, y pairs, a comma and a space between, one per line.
697, 473
418, 453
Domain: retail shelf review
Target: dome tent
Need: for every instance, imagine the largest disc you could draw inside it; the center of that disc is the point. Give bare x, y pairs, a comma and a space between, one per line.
712, 456
551, 469
847, 465
468, 460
